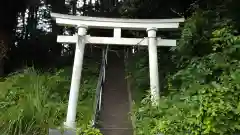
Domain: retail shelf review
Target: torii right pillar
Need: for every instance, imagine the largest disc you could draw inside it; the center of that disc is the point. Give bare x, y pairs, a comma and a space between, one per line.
153, 65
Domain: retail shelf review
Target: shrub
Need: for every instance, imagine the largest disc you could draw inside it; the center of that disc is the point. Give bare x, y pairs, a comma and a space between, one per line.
203, 95
31, 101
200, 109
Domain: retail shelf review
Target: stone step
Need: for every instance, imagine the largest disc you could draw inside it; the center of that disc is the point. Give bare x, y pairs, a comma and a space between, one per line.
116, 131
114, 118
59, 132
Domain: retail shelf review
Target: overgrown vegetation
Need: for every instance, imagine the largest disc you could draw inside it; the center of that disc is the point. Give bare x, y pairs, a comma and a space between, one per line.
202, 91
202, 96
34, 101
137, 71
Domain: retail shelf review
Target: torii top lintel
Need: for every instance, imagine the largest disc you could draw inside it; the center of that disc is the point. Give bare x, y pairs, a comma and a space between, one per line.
109, 23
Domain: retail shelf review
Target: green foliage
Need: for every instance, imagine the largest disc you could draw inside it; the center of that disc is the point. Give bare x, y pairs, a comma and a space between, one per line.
138, 72
32, 102
203, 94
89, 131
199, 109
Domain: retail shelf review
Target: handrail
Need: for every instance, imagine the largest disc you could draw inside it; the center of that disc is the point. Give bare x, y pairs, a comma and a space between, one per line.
101, 81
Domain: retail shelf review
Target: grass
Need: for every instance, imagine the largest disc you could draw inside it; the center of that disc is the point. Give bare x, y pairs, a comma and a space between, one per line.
31, 102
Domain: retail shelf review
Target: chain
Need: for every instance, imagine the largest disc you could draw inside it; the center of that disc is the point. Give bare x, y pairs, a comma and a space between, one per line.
140, 42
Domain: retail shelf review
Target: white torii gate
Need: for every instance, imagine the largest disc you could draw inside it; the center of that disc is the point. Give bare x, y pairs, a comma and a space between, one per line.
117, 24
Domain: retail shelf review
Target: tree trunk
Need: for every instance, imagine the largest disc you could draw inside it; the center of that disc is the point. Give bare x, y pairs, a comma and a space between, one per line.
8, 13
58, 6
4, 45
1, 68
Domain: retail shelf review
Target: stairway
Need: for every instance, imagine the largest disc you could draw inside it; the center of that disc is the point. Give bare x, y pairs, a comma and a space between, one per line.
114, 117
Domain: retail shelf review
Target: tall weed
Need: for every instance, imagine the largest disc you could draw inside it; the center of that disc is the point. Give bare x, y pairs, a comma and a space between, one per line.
31, 101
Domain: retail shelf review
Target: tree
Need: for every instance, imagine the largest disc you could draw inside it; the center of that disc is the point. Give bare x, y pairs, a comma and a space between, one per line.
8, 13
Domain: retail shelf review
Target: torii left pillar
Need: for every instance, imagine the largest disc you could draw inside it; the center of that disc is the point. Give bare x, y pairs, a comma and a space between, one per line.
76, 78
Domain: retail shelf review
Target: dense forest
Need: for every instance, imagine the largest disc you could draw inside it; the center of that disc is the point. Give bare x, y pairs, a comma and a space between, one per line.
199, 78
